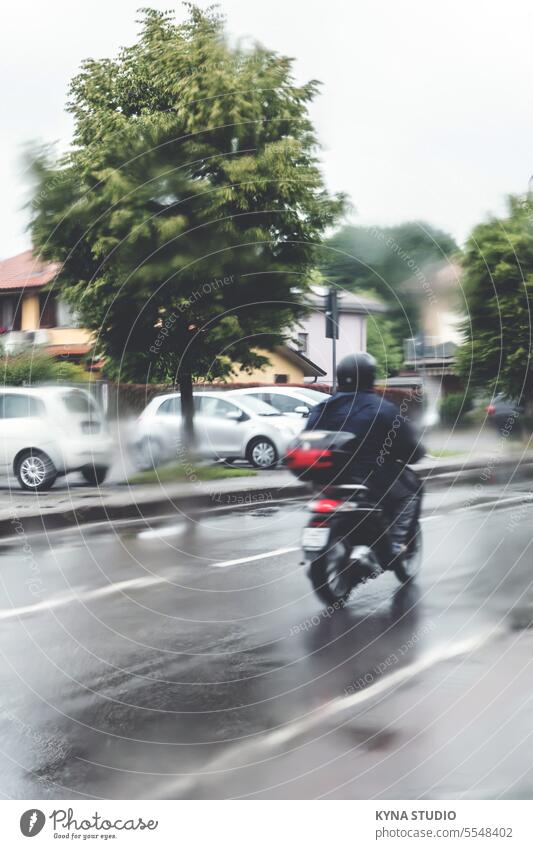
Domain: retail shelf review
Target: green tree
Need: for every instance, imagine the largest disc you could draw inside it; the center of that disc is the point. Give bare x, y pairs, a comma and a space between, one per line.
382, 342
498, 290
190, 204
394, 263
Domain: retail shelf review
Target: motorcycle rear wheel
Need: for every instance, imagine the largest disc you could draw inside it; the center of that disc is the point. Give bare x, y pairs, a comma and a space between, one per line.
332, 576
408, 568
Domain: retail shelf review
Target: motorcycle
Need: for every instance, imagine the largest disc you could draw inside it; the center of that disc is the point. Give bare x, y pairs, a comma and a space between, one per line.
346, 539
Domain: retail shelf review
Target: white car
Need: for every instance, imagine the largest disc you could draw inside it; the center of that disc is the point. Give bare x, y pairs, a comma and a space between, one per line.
293, 401
50, 431
226, 427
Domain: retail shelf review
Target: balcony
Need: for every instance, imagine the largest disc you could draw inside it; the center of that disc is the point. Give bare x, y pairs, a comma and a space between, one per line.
16, 340
428, 352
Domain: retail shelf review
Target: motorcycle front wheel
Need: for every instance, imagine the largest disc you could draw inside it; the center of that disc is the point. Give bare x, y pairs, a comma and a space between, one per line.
331, 575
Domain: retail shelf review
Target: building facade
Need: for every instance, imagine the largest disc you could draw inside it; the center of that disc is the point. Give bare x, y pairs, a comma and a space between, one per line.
30, 313
310, 336
307, 357
432, 353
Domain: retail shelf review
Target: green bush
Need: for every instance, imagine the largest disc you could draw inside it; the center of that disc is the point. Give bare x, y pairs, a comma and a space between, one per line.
30, 367
454, 407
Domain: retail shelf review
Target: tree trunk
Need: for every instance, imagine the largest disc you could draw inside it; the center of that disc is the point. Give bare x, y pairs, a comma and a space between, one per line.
187, 411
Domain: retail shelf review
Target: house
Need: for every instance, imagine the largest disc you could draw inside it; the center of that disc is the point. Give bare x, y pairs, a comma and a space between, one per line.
30, 313
286, 365
308, 355
431, 353
353, 311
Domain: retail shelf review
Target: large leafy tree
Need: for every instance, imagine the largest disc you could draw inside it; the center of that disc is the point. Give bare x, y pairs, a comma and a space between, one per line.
395, 263
188, 211
498, 291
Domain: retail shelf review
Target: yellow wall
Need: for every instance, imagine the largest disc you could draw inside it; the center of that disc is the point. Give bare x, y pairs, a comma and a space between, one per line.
29, 319
278, 365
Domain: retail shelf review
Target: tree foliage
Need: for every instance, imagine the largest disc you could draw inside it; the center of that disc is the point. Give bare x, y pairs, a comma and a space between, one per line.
498, 290
382, 342
190, 204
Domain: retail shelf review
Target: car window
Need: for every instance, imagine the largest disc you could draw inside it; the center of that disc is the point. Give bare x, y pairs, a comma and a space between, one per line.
285, 403
262, 397
170, 407
210, 406
21, 407
79, 402
313, 394
254, 405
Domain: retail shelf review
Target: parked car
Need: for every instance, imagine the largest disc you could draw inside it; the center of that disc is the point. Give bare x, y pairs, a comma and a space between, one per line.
501, 410
50, 431
296, 401
236, 428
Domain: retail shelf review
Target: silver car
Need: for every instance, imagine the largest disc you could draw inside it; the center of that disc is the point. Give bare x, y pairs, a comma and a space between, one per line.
242, 428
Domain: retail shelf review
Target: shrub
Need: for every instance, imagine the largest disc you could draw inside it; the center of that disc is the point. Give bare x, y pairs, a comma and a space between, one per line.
30, 367
453, 407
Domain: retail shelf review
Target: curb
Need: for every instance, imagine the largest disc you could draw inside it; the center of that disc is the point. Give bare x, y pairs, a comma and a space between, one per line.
251, 497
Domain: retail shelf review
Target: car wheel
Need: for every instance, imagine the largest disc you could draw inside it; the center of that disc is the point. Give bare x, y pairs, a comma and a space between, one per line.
95, 474
149, 454
262, 453
35, 471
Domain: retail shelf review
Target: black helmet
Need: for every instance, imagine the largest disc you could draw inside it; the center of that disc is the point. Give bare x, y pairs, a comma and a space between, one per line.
356, 371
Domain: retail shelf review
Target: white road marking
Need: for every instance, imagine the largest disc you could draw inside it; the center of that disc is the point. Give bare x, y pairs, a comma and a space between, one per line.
90, 595
224, 563
164, 531
253, 752
515, 499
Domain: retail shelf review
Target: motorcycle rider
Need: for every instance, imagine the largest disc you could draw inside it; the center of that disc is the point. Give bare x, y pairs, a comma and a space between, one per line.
386, 444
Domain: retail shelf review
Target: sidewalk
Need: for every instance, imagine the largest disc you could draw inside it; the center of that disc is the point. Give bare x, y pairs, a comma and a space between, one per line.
75, 504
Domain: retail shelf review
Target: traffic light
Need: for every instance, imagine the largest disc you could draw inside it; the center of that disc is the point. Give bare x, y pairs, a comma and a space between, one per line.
332, 315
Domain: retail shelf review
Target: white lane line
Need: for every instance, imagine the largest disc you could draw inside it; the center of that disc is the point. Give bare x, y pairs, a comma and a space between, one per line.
91, 595
164, 531
224, 563
255, 752
515, 499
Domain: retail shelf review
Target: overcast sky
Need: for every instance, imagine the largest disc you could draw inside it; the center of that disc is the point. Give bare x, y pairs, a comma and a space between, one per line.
425, 111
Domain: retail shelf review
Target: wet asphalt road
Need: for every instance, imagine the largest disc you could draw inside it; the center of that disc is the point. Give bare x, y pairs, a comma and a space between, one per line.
144, 661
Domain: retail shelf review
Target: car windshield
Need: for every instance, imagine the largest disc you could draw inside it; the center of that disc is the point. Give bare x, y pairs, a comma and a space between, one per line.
255, 405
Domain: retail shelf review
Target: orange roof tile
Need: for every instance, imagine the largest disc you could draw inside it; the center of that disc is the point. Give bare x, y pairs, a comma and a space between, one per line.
25, 270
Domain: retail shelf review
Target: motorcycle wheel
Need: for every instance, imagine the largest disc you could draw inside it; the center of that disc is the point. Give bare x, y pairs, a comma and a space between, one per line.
407, 569
331, 575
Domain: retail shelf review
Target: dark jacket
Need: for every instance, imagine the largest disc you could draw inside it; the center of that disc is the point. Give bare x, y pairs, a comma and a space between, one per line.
384, 435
